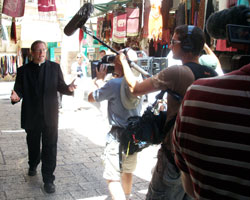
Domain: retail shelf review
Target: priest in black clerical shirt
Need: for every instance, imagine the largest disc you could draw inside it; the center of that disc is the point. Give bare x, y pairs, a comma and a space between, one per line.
37, 84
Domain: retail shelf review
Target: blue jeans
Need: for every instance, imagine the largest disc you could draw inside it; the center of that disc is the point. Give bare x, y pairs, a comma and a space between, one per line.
166, 181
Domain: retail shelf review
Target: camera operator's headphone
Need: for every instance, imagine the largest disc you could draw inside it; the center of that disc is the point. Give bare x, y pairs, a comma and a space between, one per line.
187, 44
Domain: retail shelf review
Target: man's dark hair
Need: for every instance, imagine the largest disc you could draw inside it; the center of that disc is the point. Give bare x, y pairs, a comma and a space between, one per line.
102, 51
35, 43
195, 39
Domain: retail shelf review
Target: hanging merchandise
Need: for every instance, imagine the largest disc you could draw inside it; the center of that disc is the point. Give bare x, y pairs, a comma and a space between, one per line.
119, 27
201, 16
80, 35
99, 27
166, 5
180, 14
1, 30
107, 27
155, 21
14, 8
13, 30
231, 3
147, 8
47, 9
209, 11
8, 65
243, 2
132, 21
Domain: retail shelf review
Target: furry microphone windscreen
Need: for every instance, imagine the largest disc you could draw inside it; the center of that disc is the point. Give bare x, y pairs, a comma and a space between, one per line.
79, 19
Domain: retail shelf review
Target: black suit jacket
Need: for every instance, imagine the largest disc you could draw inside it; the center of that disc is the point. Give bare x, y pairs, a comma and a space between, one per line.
25, 86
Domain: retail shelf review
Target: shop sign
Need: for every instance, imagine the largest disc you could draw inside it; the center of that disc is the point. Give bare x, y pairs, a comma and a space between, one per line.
90, 50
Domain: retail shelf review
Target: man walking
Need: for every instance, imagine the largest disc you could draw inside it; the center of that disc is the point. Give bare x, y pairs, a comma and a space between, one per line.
37, 84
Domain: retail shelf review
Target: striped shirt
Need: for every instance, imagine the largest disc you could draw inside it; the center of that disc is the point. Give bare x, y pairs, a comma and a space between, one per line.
212, 136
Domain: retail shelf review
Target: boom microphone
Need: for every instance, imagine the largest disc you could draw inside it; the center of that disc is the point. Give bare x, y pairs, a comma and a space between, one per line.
216, 23
79, 19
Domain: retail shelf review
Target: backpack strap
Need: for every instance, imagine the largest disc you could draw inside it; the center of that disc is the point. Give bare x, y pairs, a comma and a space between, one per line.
175, 95
201, 71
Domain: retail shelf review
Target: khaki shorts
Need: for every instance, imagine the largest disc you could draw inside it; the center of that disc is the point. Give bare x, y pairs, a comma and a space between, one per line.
110, 159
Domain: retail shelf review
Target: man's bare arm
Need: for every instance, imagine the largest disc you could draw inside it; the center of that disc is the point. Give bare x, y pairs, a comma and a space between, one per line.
136, 88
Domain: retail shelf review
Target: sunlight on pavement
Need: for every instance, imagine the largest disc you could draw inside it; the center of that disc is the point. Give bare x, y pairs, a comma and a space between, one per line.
90, 122
95, 198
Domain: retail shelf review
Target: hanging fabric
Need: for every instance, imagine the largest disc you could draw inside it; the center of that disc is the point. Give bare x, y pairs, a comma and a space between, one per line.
201, 14
209, 11
243, 2
47, 9
80, 35
1, 30
155, 21
166, 5
147, 8
132, 21
108, 28
231, 3
119, 27
99, 27
180, 14
13, 30
13, 8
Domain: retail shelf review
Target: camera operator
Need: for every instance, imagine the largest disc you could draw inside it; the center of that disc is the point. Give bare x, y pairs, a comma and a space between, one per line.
117, 166
186, 44
211, 136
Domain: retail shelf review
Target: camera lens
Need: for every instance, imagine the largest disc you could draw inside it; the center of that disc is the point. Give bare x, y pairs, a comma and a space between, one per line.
108, 59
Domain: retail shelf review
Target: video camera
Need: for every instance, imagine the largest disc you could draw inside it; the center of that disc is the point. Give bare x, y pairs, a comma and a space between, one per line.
238, 36
232, 24
107, 61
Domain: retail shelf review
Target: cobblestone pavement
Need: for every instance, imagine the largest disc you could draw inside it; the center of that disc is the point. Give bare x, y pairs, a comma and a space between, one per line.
80, 145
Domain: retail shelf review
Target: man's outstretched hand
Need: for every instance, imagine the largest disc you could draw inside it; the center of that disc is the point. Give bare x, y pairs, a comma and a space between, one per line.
14, 97
72, 86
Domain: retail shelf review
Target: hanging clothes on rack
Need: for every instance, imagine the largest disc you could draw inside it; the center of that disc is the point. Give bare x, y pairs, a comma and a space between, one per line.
9, 64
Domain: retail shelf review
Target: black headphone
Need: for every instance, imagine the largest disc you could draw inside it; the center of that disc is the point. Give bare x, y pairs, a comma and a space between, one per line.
187, 44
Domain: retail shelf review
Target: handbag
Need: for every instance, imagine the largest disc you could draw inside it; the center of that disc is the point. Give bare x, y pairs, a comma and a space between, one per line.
148, 129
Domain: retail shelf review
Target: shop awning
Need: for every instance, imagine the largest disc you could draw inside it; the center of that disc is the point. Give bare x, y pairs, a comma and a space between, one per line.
103, 8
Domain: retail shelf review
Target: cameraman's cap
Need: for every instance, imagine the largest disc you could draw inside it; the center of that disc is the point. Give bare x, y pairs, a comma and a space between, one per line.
208, 61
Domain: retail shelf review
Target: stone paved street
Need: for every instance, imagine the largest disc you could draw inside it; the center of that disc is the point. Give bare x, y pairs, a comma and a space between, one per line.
80, 145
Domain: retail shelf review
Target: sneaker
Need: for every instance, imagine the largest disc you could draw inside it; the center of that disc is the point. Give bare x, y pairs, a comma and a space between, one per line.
49, 187
32, 172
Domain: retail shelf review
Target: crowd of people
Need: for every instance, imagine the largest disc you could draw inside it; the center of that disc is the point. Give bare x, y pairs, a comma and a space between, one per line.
204, 155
